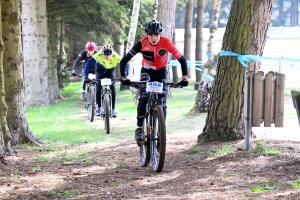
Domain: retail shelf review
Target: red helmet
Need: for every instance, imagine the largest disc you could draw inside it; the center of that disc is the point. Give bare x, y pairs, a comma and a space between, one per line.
90, 46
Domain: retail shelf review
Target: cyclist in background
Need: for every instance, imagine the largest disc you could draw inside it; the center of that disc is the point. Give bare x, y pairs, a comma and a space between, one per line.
154, 48
105, 60
84, 55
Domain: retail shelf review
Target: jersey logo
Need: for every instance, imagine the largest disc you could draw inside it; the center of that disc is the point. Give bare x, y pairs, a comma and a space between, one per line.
145, 77
162, 52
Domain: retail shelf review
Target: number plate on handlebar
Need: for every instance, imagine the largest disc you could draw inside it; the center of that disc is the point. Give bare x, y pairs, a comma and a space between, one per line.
106, 81
154, 87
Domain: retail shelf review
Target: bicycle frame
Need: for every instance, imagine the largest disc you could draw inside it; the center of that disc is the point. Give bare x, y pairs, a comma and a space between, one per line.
153, 148
106, 102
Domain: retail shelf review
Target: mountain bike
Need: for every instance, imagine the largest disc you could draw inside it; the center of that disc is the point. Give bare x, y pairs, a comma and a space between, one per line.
91, 99
106, 102
153, 148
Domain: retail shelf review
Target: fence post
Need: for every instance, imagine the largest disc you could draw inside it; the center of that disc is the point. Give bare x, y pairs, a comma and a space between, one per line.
269, 99
257, 99
279, 100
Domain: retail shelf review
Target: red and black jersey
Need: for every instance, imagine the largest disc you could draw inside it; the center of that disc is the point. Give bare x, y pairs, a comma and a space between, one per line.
154, 57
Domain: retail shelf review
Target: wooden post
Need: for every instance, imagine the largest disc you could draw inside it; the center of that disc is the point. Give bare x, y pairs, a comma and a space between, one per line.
279, 100
269, 99
257, 114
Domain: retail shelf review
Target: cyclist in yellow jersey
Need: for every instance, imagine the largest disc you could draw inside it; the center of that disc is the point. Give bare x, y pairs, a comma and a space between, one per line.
105, 61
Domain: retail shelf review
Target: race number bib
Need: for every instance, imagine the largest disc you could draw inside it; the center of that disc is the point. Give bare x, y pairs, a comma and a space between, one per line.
106, 81
154, 87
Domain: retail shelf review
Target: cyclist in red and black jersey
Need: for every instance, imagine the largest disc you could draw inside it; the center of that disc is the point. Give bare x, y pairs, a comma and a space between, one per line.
84, 55
154, 49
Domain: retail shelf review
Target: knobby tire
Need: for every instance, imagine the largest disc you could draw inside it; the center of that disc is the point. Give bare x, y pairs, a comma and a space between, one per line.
91, 103
145, 145
158, 139
107, 112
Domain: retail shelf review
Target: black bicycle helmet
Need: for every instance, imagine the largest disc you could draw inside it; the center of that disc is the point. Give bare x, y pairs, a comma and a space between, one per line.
107, 49
153, 27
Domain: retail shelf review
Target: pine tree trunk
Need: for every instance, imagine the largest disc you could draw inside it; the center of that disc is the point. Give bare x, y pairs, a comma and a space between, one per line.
132, 29
212, 30
5, 136
13, 71
245, 33
155, 9
52, 60
30, 53
188, 32
199, 37
166, 15
43, 54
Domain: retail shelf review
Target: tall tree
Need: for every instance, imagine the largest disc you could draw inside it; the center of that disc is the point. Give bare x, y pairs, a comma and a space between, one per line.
245, 33
166, 15
212, 29
199, 36
188, 32
31, 53
13, 73
209, 68
3, 106
42, 50
132, 29
155, 9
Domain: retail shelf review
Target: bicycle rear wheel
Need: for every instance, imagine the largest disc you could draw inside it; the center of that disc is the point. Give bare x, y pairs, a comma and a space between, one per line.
107, 113
90, 101
158, 139
145, 145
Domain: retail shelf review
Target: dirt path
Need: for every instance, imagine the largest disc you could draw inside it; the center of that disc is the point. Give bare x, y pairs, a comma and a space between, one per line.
113, 171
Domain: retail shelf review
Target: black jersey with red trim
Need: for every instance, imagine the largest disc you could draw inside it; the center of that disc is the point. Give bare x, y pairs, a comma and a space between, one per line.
82, 57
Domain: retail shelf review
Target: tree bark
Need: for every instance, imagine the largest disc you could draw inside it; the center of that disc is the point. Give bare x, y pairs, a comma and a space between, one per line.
5, 135
212, 29
199, 37
53, 62
188, 32
30, 53
42, 51
155, 9
245, 33
166, 16
13, 71
132, 29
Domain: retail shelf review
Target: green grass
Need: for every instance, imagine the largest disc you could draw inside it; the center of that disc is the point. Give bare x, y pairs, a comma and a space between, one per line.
261, 188
226, 149
296, 184
263, 149
66, 123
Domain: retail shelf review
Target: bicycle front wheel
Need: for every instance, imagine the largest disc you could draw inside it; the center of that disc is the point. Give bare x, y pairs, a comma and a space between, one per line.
90, 101
107, 113
158, 139
145, 145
